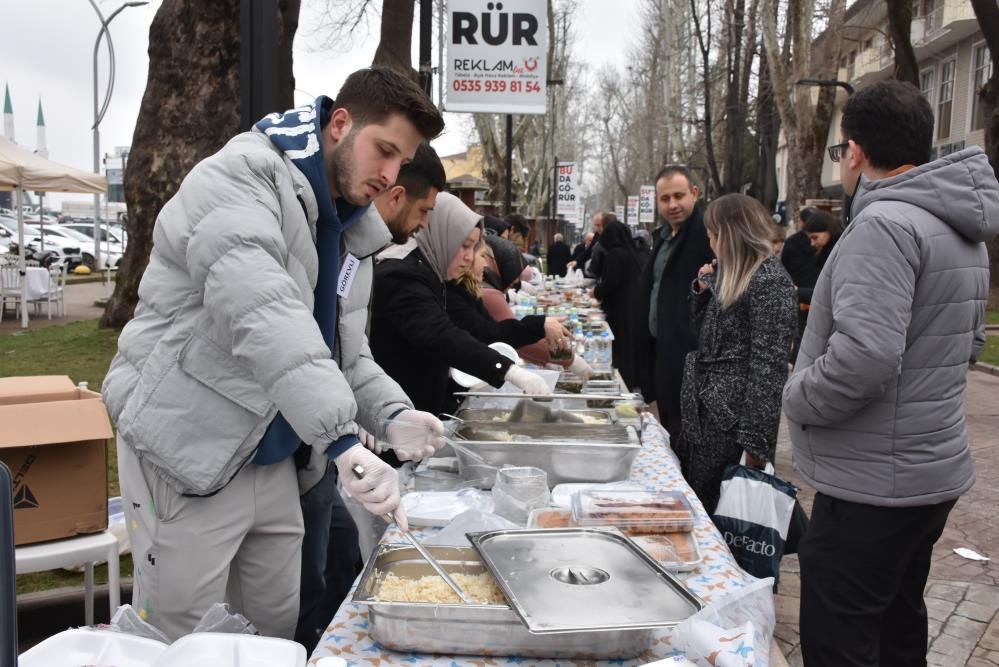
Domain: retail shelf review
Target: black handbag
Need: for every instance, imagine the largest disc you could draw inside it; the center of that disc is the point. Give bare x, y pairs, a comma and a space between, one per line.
796, 529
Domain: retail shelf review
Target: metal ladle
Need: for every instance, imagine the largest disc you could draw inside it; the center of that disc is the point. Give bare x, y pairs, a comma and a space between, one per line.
359, 472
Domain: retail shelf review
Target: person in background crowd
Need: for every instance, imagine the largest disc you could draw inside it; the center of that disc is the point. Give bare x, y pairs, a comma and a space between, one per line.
823, 230
777, 238
642, 247
519, 231
594, 263
242, 361
412, 336
743, 310
496, 226
875, 406
466, 309
503, 265
581, 253
617, 291
798, 258
558, 257
665, 336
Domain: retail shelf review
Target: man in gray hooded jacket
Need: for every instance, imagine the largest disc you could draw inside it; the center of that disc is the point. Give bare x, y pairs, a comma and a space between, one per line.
247, 351
876, 402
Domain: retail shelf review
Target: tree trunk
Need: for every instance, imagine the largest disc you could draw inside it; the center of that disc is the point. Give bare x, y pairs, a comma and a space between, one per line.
987, 12
190, 108
704, 46
900, 26
735, 121
768, 121
395, 46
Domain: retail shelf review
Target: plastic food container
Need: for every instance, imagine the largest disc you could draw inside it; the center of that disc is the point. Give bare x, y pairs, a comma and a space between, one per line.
674, 551
550, 517
80, 646
634, 512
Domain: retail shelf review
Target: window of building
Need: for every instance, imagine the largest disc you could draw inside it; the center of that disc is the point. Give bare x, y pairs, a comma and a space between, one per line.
981, 70
926, 84
933, 12
868, 43
851, 61
946, 101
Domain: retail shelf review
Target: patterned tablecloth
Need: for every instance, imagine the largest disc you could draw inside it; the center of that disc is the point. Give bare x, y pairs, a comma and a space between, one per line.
655, 466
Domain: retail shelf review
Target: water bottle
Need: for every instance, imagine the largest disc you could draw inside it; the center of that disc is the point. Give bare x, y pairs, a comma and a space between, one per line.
605, 352
590, 355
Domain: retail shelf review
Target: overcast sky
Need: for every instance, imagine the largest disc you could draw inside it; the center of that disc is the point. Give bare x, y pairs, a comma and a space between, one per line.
46, 53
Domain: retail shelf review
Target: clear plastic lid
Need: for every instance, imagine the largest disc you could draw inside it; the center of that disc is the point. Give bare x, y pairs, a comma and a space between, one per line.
634, 512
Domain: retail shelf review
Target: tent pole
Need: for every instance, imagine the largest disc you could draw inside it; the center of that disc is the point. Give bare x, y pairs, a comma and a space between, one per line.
21, 261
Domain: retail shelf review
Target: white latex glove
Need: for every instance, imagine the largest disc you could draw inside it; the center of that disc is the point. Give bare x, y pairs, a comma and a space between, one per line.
378, 489
531, 384
369, 441
414, 434
580, 368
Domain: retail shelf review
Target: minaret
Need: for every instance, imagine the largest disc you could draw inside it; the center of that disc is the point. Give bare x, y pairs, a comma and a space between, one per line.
41, 146
8, 114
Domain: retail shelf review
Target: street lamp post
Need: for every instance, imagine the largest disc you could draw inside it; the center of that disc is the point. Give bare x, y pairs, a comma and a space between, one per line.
99, 114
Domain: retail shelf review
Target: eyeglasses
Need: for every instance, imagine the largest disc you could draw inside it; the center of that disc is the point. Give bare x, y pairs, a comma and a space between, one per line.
837, 152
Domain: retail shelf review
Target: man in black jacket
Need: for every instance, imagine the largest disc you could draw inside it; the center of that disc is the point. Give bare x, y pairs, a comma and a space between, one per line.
799, 260
558, 256
664, 334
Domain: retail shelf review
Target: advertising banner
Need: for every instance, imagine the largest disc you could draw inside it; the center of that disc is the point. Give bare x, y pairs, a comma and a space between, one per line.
496, 56
632, 210
567, 197
647, 204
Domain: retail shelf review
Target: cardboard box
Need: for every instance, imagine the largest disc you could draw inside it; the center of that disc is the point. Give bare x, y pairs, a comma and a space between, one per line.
53, 437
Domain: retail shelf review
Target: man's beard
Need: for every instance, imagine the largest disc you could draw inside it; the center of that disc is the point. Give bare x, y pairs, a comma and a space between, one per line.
401, 236
340, 168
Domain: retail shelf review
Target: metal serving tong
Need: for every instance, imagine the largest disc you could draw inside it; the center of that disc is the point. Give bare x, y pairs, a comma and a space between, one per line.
359, 472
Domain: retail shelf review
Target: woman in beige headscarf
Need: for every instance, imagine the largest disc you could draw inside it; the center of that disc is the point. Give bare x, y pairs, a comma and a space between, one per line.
412, 337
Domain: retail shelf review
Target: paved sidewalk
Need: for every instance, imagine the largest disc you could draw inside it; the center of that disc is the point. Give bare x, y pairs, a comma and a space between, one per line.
80, 300
962, 596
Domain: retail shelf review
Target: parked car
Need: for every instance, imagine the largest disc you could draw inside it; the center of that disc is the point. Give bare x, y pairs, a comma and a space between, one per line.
67, 249
116, 237
109, 256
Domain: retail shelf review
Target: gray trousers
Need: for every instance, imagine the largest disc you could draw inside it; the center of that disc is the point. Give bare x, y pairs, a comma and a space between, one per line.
241, 546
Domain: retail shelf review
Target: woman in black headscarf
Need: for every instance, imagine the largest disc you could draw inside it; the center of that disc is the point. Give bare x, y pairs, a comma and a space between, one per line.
617, 290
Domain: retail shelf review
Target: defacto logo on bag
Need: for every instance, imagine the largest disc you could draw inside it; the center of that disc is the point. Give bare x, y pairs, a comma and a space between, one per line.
496, 56
745, 543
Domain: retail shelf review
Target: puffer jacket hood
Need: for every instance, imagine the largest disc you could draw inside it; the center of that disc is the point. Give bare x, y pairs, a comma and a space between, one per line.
951, 188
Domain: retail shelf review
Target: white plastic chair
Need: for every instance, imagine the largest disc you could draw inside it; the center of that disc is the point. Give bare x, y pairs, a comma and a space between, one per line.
57, 290
10, 284
85, 550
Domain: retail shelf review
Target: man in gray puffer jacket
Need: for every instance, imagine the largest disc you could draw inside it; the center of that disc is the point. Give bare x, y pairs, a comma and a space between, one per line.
248, 345
876, 402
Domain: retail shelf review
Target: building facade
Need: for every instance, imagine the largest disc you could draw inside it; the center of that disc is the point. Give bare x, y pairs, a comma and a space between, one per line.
954, 63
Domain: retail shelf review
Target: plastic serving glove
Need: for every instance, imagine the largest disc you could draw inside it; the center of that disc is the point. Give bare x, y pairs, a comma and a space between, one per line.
369, 441
414, 434
378, 490
580, 368
531, 384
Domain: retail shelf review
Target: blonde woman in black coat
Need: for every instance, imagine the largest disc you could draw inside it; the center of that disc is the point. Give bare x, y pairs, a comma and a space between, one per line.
744, 312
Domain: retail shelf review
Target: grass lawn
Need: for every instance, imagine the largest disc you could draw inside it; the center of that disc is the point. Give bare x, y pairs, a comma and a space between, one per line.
992, 317
83, 352
990, 354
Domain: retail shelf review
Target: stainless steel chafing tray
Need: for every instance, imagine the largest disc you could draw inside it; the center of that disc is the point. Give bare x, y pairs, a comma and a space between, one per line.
583, 580
472, 629
503, 415
567, 452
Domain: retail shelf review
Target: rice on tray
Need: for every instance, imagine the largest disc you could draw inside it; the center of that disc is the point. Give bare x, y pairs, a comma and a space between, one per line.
481, 588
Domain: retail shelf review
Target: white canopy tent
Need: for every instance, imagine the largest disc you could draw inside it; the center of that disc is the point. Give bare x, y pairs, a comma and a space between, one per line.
22, 170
